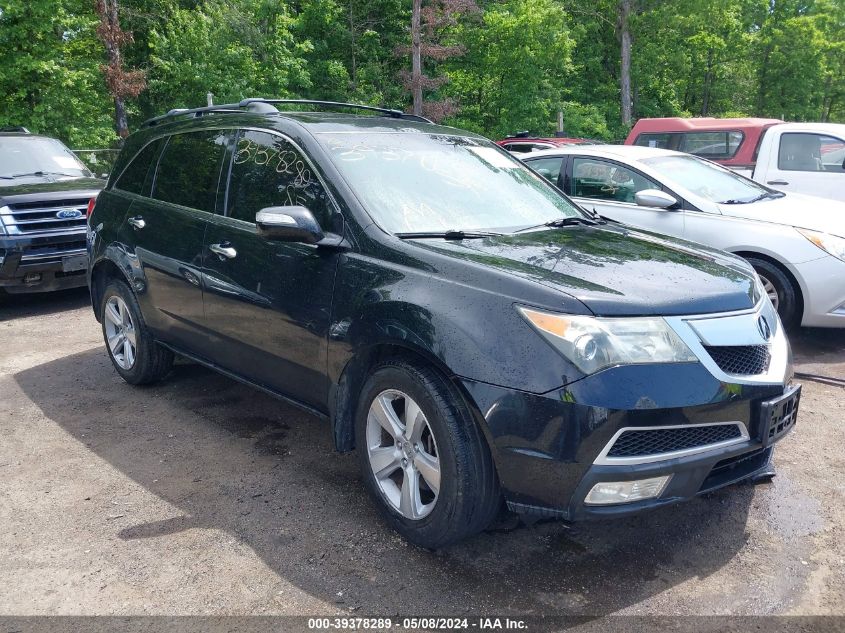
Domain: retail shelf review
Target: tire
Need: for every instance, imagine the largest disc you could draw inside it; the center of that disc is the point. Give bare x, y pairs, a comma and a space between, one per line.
147, 361
774, 278
467, 498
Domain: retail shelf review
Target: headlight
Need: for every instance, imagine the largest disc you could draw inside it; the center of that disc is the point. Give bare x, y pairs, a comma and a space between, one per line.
832, 244
759, 288
593, 343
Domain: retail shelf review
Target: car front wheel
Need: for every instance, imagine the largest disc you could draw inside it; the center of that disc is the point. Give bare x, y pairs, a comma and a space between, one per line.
423, 458
780, 290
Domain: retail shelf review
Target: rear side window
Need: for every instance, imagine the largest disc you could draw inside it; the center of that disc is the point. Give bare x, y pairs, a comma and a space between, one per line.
661, 141
138, 174
716, 145
189, 169
269, 171
547, 167
802, 151
524, 148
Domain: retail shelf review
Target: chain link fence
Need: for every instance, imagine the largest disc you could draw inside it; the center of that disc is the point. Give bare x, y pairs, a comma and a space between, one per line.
99, 161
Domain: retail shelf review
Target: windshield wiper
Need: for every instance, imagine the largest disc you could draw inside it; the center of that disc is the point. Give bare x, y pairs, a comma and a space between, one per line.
762, 196
453, 234
42, 173
561, 222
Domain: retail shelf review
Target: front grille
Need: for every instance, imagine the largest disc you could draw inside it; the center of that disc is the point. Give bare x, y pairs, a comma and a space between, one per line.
52, 253
28, 218
638, 443
743, 360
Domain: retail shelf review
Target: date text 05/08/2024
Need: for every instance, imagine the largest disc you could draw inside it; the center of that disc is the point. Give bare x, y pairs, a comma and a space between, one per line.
416, 623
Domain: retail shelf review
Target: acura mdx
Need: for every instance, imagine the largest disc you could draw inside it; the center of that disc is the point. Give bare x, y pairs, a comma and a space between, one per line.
473, 334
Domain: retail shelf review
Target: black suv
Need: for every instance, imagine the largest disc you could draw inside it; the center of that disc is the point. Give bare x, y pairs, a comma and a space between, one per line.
44, 196
456, 319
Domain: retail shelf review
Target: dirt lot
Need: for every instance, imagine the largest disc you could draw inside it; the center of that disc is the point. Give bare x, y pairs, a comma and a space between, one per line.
202, 496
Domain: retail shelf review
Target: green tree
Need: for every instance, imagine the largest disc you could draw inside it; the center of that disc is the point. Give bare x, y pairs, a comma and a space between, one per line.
789, 61
49, 71
352, 56
232, 49
514, 73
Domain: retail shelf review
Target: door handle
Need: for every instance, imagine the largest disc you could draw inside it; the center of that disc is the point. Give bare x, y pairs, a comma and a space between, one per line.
137, 222
776, 182
223, 251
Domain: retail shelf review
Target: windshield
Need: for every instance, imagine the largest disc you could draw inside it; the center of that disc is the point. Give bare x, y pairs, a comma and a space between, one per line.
705, 179
26, 155
415, 183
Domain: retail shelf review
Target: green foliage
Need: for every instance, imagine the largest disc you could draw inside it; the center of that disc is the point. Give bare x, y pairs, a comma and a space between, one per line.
512, 76
50, 79
353, 42
233, 50
524, 60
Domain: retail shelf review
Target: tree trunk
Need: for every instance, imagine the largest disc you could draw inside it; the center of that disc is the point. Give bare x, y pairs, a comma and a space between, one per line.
708, 82
625, 71
353, 35
827, 100
120, 83
416, 61
121, 125
762, 83
110, 13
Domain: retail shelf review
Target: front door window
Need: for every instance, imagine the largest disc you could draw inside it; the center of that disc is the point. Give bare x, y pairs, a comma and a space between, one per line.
268, 171
603, 180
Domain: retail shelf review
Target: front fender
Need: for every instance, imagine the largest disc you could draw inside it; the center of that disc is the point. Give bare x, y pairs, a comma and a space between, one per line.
470, 332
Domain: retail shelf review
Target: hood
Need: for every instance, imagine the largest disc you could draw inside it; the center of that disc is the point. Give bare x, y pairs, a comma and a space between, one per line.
49, 190
794, 209
616, 271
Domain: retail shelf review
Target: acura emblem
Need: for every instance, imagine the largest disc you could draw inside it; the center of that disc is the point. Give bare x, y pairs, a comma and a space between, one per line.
69, 214
763, 327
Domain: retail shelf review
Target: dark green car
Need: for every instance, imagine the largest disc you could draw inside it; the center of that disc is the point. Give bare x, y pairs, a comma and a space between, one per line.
473, 334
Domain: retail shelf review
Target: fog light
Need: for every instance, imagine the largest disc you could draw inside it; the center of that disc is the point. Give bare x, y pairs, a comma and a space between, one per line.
31, 278
609, 492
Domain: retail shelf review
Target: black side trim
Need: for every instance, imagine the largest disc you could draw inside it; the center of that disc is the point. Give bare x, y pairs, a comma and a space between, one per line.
246, 381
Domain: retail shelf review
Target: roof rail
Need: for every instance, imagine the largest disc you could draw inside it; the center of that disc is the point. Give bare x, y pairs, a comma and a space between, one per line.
195, 112
268, 106
15, 128
395, 114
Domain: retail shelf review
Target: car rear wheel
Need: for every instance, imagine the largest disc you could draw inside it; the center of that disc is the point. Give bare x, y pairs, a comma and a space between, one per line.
134, 353
423, 458
780, 289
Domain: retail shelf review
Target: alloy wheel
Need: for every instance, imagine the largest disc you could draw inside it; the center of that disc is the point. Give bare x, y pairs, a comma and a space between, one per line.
120, 332
403, 455
770, 290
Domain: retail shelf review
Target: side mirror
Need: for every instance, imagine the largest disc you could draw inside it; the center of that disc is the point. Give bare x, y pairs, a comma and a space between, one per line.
288, 224
654, 198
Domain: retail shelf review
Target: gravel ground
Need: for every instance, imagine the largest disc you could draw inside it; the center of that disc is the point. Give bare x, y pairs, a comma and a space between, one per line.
203, 496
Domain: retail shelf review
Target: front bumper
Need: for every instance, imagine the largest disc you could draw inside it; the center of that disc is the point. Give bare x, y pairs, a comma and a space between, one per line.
43, 262
695, 422
546, 446
823, 289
